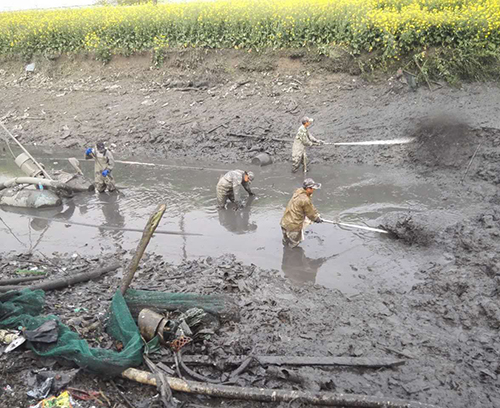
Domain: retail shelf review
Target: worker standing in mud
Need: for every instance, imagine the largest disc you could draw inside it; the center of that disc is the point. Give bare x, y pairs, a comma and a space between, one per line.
299, 213
303, 139
228, 187
104, 163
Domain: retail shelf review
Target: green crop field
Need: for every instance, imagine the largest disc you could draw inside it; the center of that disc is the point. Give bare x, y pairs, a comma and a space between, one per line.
465, 30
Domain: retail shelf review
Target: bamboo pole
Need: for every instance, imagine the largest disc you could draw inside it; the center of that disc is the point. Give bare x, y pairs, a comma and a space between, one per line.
273, 395
150, 228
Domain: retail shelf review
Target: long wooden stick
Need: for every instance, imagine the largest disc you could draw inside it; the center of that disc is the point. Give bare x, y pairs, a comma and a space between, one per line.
47, 175
366, 362
143, 243
65, 281
109, 227
15, 281
424, 75
356, 226
470, 162
273, 395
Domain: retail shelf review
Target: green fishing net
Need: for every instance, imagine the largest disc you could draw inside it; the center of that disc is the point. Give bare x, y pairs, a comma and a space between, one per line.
24, 309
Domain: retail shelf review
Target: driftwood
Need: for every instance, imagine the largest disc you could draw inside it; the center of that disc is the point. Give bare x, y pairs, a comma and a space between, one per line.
65, 281
273, 395
150, 228
367, 362
14, 281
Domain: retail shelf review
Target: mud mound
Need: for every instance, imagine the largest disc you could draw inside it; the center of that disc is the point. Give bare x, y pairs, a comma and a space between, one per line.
404, 227
442, 141
422, 229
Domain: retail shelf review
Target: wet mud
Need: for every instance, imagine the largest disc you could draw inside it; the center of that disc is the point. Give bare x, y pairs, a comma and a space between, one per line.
428, 293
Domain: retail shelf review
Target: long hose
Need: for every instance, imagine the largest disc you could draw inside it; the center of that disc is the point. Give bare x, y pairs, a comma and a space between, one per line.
107, 227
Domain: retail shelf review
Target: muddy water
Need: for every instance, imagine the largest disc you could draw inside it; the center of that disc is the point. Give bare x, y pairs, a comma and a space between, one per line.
347, 259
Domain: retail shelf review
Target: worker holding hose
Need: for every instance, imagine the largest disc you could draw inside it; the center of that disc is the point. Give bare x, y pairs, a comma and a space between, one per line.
299, 213
303, 139
229, 185
104, 163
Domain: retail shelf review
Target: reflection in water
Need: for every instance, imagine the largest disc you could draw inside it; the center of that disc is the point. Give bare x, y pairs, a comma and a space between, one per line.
237, 221
298, 267
112, 216
357, 194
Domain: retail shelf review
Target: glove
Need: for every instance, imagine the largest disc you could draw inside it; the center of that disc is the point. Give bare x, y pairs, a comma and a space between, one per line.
318, 220
88, 152
106, 172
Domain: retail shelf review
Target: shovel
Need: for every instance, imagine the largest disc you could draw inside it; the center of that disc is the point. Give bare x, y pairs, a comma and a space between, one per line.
356, 226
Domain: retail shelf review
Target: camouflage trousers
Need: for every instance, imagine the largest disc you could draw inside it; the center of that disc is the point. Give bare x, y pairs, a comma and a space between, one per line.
224, 193
298, 159
292, 239
101, 183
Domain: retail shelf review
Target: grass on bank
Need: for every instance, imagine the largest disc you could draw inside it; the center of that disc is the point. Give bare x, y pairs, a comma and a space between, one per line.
449, 38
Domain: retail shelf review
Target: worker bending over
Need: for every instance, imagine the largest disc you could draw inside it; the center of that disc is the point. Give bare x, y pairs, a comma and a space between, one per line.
299, 213
303, 139
228, 187
104, 163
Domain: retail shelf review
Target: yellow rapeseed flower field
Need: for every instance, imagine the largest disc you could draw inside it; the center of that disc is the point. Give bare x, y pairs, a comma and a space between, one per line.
392, 27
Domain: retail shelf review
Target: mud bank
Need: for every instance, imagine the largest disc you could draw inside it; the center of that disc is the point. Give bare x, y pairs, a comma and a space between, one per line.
445, 363
445, 324
197, 101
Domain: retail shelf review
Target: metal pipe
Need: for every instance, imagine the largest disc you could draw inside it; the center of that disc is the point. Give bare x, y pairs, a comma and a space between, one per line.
34, 181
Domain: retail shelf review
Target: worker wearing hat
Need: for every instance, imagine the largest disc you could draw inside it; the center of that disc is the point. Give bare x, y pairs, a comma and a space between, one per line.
299, 213
104, 163
228, 187
303, 139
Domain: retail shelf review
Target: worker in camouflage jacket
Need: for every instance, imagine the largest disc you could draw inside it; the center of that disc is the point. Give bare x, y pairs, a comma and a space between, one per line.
104, 164
299, 213
303, 139
229, 186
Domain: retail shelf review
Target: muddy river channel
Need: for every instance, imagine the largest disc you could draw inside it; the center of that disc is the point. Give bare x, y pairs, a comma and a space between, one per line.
346, 259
